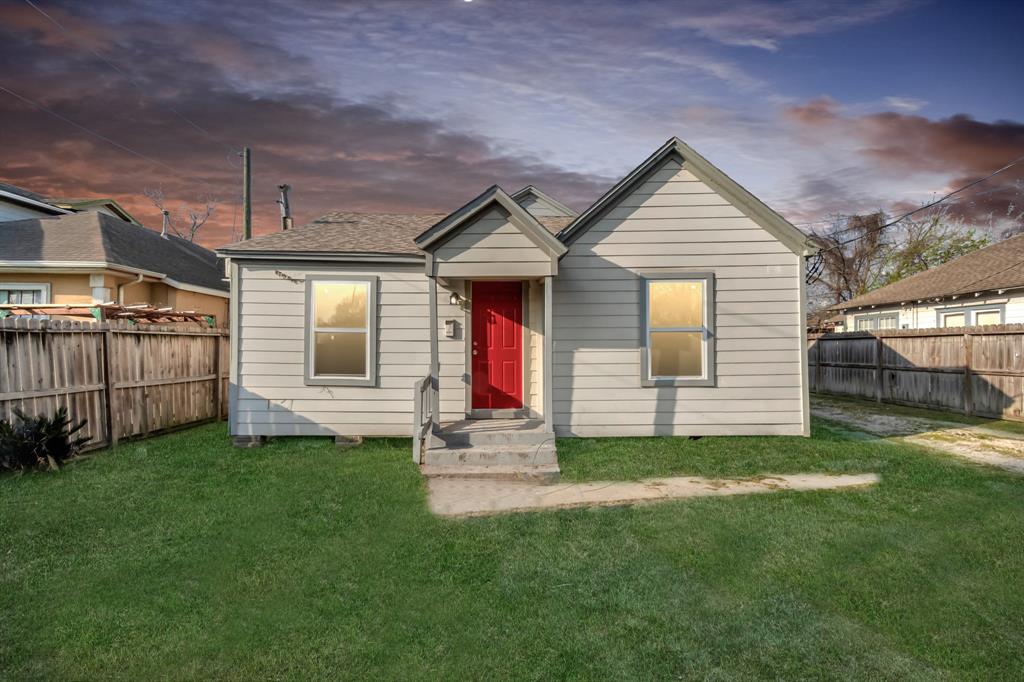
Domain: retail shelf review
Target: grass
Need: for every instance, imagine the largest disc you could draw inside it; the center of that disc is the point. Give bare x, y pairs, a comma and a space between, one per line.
183, 558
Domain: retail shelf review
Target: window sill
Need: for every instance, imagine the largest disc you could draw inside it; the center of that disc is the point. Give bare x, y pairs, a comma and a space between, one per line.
337, 381
668, 382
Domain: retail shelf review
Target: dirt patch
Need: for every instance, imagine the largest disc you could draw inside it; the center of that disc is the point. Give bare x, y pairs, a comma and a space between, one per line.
974, 443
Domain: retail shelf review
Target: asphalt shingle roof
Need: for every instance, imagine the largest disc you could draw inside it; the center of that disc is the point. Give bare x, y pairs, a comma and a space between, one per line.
94, 236
346, 232
999, 266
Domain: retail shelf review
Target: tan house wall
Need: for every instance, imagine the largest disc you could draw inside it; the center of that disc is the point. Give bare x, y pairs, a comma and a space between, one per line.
73, 288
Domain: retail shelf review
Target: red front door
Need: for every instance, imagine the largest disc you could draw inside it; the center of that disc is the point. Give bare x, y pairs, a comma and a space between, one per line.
497, 352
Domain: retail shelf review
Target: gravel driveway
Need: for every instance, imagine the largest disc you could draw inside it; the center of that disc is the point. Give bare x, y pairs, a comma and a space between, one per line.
980, 444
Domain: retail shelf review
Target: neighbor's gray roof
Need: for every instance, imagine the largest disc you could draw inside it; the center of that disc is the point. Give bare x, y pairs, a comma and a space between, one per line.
345, 232
1000, 266
98, 237
14, 189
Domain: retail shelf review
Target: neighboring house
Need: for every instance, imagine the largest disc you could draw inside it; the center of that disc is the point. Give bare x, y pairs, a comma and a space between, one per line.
93, 257
674, 305
980, 288
17, 204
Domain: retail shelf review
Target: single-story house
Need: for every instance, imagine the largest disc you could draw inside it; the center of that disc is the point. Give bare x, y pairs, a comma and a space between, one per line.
94, 257
674, 305
980, 288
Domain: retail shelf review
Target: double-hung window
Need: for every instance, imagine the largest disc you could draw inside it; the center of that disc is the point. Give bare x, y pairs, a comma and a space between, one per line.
678, 330
341, 331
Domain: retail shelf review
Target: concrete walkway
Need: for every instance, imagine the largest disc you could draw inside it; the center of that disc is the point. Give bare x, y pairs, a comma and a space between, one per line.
477, 497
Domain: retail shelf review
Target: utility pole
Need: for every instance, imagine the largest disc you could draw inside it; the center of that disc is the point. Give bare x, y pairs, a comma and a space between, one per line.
286, 208
247, 193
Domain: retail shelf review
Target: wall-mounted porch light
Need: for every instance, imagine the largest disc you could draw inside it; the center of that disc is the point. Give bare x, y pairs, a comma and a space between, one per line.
455, 298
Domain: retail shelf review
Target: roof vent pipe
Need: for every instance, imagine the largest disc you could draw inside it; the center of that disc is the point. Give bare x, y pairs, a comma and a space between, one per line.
167, 223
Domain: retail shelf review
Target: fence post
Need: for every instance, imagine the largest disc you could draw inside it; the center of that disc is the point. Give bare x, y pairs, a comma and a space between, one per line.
879, 375
968, 381
218, 388
108, 384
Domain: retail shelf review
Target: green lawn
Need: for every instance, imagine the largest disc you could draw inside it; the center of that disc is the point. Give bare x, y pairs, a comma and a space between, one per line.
181, 557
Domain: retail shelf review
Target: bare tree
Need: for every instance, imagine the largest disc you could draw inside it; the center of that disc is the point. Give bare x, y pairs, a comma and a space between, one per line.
863, 252
188, 220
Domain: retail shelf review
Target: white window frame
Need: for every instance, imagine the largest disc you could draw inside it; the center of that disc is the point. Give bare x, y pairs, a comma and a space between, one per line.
370, 377
970, 313
707, 330
43, 287
875, 320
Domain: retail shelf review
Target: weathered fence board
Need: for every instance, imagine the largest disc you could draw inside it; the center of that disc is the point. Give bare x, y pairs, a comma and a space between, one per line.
126, 380
974, 370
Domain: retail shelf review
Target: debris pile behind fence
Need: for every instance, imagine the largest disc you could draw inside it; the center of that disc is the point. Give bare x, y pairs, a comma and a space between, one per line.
974, 370
126, 379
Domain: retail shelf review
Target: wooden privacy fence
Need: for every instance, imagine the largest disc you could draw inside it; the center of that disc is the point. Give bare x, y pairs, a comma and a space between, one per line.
126, 380
974, 370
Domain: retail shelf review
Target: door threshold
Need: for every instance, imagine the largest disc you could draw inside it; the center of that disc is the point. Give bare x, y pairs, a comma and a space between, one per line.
512, 413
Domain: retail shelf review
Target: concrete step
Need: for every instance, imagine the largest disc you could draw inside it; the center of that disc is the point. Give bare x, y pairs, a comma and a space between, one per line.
545, 474
472, 433
505, 454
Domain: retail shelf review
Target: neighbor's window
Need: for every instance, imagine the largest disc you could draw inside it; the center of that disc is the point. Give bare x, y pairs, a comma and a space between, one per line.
953, 319
876, 321
340, 343
678, 322
23, 294
988, 317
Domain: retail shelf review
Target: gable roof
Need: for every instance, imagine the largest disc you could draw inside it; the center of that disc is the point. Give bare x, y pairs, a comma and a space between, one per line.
97, 239
995, 267
554, 204
518, 215
345, 233
751, 206
78, 205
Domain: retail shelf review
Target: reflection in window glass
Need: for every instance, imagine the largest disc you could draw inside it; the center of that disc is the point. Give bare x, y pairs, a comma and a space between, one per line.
677, 304
341, 305
676, 354
340, 353
676, 328
340, 329
953, 320
988, 317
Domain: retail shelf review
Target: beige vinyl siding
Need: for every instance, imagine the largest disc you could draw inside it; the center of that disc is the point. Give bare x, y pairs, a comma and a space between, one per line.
491, 246
272, 397
673, 222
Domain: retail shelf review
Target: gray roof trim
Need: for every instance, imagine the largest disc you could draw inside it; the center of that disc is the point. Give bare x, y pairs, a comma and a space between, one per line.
751, 206
333, 256
32, 203
519, 216
547, 198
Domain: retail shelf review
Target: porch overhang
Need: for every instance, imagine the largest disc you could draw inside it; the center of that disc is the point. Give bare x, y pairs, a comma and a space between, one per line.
490, 237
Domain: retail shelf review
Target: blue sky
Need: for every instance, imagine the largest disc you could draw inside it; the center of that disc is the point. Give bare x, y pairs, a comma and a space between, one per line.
417, 105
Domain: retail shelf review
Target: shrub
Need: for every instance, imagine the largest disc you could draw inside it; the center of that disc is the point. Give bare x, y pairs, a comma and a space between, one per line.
39, 442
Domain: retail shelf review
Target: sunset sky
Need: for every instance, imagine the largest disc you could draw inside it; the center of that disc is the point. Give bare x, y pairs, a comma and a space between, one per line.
418, 105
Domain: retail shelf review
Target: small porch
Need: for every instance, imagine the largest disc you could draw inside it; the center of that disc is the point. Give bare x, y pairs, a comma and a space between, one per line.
486, 405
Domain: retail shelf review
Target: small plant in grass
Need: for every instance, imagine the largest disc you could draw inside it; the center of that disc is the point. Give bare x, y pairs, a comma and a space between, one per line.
40, 442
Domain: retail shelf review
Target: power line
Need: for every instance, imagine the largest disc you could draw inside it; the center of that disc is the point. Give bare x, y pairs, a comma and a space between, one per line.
100, 136
922, 208
130, 79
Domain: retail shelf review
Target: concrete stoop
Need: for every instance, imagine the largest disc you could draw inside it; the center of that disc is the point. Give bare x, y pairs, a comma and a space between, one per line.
510, 449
